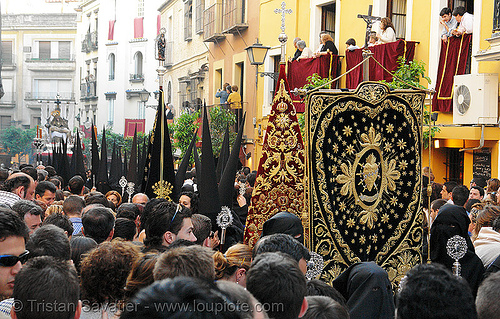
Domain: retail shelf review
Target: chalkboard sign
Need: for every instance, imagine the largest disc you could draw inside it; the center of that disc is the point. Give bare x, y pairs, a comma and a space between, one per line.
482, 164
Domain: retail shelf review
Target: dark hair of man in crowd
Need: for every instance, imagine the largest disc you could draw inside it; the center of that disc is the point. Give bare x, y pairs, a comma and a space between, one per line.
450, 185
73, 205
202, 227
76, 184
445, 11
321, 307
276, 279
316, 287
31, 171
56, 182
189, 294
162, 219
193, 261
105, 269
438, 203
80, 246
431, 291
240, 296
46, 280
23, 207
11, 184
281, 243
59, 195
148, 208
51, 170
41, 175
180, 243
128, 210
44, 186
60, 220
96, 198
246, 170
12, 225
98, 223
460, 195
124, 229
459, 11
49, 240
488, 298
251, 179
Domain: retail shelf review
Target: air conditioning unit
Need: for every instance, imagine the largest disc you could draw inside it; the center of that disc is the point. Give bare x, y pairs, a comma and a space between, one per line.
475, 99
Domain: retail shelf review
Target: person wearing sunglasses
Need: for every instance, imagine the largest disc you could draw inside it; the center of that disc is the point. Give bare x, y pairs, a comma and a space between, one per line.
168, 221
13, 253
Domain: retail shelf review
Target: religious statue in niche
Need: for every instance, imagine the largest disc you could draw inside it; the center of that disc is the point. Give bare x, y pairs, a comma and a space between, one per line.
57, 127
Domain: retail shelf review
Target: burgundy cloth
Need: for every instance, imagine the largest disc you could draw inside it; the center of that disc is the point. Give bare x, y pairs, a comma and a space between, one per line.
452, 61
387, 54
355, 77
298, 71
138, 29
111, 30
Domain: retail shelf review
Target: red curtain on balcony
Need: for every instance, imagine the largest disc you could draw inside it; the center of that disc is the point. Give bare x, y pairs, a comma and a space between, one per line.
158, 24
138, 29
386, 54
298, 71
111, 30
452, 61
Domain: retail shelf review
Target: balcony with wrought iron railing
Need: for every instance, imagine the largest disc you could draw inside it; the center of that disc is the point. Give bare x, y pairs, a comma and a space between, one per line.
234, 16
62, 64
89, 42
212, 27
136, 77
63, 96
88, 90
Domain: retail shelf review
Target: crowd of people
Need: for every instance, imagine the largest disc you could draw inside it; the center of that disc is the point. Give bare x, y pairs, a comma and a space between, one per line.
67, 251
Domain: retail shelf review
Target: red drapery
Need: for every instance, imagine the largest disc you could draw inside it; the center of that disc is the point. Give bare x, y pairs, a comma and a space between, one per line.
138, 30
452, 61
158, 24
386, 54
111, 30
298, 71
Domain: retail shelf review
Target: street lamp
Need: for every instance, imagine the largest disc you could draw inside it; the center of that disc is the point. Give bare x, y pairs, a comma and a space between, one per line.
144, 95
257, 54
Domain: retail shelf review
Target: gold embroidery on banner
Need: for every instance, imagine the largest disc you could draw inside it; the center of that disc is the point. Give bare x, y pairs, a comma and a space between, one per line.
281, 186
373, 170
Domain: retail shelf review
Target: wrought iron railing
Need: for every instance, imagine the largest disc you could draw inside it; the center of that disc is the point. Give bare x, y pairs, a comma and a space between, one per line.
89, 42
212, 18
234, 13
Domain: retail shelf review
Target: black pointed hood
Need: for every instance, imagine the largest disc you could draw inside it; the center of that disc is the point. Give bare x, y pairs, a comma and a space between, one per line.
115, 171
154, 163
226, 185
181, 171
102, 184
224, 155
78, 157
95, 156
207, 185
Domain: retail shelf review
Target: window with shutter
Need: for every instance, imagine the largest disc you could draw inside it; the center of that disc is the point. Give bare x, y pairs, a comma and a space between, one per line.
44, 50
64, 50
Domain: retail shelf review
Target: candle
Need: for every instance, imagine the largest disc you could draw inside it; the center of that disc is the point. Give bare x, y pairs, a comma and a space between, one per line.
37, 131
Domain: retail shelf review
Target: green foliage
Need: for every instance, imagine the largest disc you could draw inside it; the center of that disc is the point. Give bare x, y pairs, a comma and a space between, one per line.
182, 131
219, 119
16, 140
302, 124
410, 72
433, 129
314, 81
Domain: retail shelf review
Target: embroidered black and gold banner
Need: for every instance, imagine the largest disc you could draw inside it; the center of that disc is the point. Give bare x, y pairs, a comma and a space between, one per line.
364, 178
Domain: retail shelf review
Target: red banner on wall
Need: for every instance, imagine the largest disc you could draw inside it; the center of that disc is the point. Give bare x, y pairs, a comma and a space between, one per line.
138, 28
387, 54
452, 61
131, 124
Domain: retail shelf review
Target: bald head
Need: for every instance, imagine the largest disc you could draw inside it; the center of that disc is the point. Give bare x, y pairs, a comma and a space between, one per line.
21, 184
140, 198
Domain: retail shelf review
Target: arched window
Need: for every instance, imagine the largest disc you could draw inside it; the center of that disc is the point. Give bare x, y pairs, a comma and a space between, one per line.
138, 64
111, 61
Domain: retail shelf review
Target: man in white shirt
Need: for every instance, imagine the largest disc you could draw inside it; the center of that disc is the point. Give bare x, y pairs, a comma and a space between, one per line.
465, 20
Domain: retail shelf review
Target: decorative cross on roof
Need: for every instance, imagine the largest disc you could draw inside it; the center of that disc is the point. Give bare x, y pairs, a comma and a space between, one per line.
283, 11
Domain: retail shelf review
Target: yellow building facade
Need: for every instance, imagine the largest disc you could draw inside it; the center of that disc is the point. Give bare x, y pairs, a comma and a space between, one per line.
452, 157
